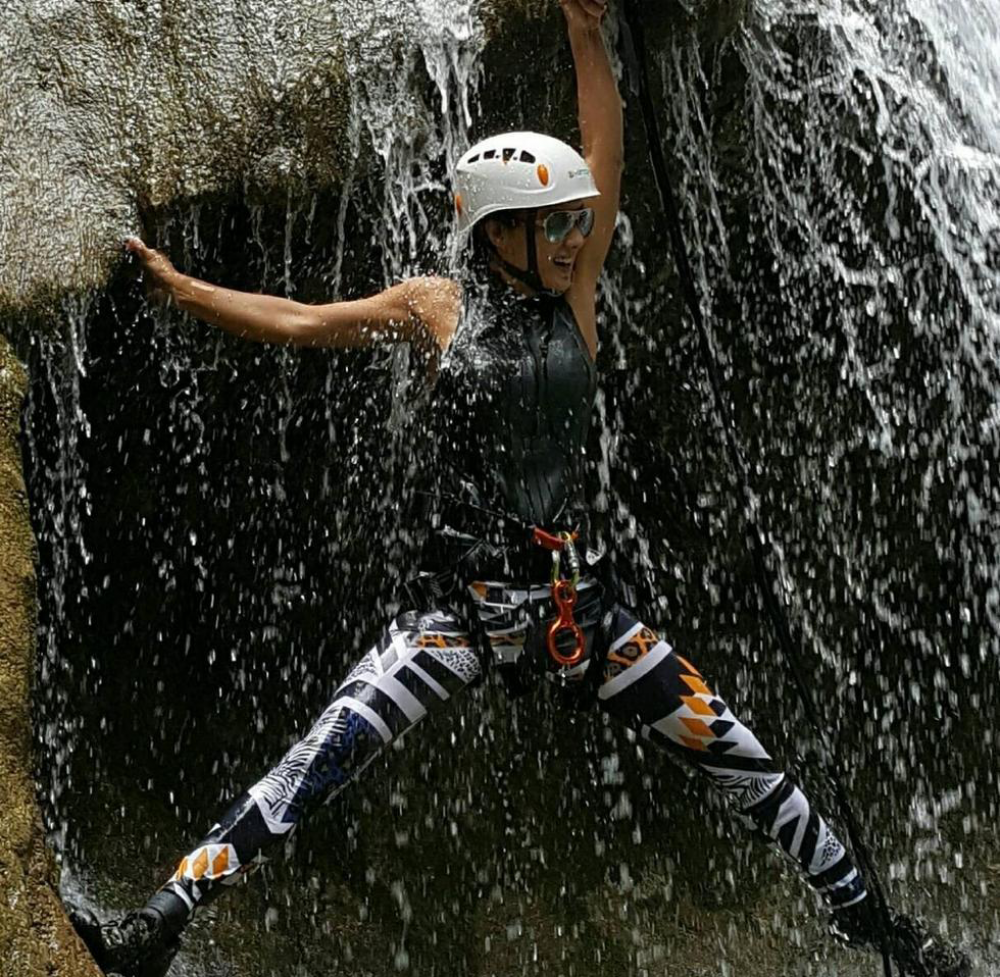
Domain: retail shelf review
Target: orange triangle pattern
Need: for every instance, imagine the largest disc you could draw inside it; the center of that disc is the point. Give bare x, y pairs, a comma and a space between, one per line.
698, 706
698, 727
200, 865
692, 744
696, 685
196, 865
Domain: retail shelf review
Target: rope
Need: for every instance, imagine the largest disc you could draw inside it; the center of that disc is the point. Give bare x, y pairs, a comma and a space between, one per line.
634, 50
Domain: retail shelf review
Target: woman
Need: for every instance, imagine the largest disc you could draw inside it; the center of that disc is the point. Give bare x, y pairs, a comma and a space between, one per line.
508, 577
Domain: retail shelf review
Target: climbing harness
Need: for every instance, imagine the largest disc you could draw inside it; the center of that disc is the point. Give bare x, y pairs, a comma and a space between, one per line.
565, 639
634, 55
564, 596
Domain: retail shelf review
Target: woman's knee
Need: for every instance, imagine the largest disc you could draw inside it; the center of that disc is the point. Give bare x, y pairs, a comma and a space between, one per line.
418, 663
650, 686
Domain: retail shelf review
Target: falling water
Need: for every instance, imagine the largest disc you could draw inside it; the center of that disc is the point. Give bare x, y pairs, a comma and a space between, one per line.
848, 253
838, 165
60, 479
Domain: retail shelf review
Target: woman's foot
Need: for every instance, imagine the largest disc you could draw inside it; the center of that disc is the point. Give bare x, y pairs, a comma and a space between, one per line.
911, 945
140, 944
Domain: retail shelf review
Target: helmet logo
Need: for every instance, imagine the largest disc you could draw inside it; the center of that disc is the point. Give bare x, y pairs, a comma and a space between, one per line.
543, 174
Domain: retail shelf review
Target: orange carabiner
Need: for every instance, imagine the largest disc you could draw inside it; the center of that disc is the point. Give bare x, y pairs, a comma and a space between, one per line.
564, 595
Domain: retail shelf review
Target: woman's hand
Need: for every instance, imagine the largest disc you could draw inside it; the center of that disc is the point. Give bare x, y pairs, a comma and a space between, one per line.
584, 14
161, 275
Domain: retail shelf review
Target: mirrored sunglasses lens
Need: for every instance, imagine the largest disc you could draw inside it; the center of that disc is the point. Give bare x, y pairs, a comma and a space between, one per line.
558, 226
586, 222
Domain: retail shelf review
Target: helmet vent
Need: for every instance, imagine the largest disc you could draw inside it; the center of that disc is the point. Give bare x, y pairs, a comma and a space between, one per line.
509, 154
490, 154
526, 157
474, 159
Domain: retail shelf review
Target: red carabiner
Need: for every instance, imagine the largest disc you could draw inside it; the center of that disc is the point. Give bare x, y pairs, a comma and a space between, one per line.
564, 595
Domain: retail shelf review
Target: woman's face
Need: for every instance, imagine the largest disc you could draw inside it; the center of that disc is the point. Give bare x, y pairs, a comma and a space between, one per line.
556, 262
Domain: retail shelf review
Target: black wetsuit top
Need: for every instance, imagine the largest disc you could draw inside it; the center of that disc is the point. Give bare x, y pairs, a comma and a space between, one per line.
513, 405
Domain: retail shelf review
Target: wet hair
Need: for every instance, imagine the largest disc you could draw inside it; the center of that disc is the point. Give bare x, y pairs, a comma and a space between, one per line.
482, 247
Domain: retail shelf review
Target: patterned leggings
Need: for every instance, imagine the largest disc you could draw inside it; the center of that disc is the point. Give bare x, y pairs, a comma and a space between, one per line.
424, 659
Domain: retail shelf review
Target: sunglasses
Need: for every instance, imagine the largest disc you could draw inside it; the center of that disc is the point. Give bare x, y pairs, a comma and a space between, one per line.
560, 223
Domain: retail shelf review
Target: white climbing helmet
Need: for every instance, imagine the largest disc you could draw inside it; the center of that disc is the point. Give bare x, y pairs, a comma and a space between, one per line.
518, 171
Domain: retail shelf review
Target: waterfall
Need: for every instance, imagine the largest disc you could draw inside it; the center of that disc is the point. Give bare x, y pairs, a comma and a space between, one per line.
845, 230
59, 364
839, 169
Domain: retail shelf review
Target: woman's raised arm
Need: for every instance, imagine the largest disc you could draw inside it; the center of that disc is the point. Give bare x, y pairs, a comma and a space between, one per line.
423, 311
601, 124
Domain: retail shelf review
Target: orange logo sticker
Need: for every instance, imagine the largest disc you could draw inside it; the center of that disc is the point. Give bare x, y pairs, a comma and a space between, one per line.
543, 174
458, 203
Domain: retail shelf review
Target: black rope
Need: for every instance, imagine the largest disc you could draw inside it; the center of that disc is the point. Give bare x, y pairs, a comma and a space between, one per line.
634, 48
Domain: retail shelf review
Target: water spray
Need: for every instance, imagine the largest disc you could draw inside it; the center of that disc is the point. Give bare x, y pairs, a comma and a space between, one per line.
635, 57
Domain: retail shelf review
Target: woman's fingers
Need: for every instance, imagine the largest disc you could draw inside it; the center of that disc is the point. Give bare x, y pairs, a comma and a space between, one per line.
154, 263
584, 10
144, 253
150, 257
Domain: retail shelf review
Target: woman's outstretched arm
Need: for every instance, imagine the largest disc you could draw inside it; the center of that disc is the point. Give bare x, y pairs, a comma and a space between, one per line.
601, 123
423, 311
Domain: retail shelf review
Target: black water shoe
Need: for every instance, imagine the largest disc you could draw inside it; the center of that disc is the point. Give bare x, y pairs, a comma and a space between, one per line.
141, 944
911, 945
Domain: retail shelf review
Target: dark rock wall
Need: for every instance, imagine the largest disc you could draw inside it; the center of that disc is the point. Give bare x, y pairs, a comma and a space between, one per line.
245, 544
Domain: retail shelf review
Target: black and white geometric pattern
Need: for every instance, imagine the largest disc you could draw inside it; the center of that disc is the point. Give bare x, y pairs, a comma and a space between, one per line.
659, 693
423, 659
420, 662
509, 614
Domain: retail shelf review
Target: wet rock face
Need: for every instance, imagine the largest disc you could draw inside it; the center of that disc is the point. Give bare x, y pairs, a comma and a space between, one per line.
35, 938
242, 537
115, 118
110, 110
